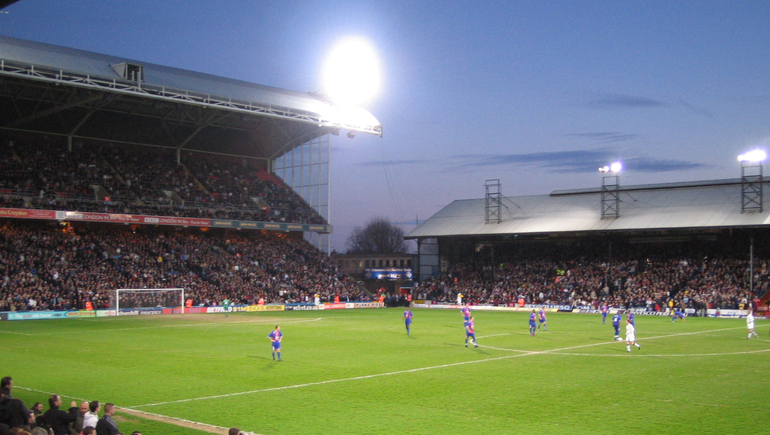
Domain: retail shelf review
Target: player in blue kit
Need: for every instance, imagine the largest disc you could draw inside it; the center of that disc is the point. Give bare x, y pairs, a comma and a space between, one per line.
408, 319
616, 324
470, 332
678, 314
532, 326
604, 310
275, 338
542, 320
466, 313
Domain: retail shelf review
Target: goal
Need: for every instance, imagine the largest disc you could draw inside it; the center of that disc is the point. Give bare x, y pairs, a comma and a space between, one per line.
129, 298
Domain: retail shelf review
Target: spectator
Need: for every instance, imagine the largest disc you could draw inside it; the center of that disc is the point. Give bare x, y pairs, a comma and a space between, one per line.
6, 384
106, 425
92, 416
13, 413
77, 426
57, 419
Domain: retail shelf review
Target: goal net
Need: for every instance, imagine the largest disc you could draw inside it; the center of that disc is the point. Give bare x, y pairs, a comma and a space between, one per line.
129, 298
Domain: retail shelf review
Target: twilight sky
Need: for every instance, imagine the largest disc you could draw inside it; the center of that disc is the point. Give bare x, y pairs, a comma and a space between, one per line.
537, 94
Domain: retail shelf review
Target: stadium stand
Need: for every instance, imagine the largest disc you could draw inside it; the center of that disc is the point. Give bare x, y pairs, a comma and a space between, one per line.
47, 266
43, 174
652, 283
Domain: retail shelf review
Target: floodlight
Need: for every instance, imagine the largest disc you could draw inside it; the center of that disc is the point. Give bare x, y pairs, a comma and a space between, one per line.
352, 72
614, 167
753, 156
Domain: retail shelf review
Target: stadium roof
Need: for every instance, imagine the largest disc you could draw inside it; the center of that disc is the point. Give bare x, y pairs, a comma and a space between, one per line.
62, 91
696, 205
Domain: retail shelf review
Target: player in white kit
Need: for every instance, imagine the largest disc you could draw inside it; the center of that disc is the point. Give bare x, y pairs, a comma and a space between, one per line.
631, 336
750, 325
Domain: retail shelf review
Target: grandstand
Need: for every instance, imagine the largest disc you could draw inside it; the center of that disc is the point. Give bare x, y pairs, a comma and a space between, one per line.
149, 140
89, 141
672, 237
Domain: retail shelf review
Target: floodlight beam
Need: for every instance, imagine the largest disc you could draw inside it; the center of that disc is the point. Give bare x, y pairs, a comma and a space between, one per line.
757, 155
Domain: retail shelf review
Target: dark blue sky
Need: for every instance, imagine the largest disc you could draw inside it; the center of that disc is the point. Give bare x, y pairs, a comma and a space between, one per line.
537, 94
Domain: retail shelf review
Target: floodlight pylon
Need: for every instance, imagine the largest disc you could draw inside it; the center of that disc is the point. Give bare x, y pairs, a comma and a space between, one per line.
610, 195
492, 203
751, 186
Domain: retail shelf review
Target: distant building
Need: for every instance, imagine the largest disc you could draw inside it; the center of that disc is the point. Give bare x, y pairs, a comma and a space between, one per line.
373, 267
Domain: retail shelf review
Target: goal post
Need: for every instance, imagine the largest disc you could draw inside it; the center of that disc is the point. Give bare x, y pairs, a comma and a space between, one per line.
130, 298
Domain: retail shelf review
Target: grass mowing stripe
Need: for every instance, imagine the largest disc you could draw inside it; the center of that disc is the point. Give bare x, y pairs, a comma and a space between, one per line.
399, 372
576, 395
196, 325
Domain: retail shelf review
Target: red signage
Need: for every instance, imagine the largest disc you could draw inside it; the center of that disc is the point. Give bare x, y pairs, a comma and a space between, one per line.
101, 217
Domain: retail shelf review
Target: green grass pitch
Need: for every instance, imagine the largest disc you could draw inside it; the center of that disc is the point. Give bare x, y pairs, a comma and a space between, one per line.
356, 372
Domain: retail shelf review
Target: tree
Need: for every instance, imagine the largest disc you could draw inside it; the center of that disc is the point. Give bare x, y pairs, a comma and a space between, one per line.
379, 236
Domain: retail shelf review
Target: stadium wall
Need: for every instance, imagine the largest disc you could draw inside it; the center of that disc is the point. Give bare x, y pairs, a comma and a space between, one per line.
49, 315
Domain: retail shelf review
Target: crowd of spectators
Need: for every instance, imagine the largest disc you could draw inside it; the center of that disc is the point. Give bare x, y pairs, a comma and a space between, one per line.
655, 284
79, 419
65, 266
45, 266
44, 174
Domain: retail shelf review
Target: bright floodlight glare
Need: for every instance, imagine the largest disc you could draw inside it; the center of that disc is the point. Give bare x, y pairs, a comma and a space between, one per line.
614, 167
753, 156
352, 72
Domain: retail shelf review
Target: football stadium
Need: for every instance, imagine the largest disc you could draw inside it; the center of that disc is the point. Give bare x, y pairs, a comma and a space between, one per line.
160, 228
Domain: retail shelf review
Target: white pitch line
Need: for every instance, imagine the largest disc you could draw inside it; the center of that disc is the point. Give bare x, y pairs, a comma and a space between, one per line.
503, 348
331, 381
48, 393
495, 335
400, 372
638, 354
16, 333
150, 415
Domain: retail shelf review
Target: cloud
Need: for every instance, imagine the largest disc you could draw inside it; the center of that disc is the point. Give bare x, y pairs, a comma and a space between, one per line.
580, 161
625, 102
605, 136
653, 165
570, 161
696, 110
394, 163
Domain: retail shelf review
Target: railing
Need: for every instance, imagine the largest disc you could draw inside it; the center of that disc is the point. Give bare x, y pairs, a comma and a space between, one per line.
53, 75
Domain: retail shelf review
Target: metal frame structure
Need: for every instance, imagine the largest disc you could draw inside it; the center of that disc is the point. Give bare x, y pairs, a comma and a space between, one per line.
492, 201
610, 195
137, 88
305, 169
751, 187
